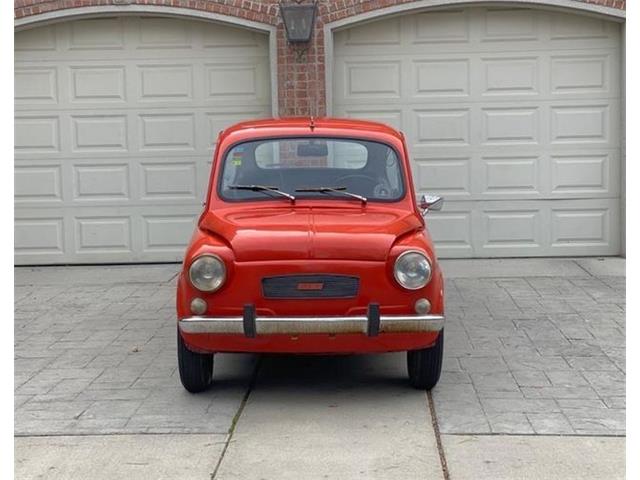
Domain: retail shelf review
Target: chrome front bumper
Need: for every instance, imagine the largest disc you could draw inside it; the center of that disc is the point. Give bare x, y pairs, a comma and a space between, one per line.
319, 325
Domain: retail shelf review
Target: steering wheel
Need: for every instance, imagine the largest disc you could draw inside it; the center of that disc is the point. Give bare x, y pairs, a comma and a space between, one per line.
372, 182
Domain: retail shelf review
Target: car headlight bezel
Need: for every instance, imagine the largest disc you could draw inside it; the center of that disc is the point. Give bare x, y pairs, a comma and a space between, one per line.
400, 276
204, 284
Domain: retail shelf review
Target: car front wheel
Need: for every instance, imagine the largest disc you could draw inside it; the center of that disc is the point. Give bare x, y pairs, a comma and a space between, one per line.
425, 365
196, 369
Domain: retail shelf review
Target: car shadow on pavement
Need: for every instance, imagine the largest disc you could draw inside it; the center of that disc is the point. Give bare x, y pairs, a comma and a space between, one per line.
331, 372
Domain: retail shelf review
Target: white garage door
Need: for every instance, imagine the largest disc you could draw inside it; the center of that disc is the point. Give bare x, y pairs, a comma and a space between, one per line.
114, 131
512, 115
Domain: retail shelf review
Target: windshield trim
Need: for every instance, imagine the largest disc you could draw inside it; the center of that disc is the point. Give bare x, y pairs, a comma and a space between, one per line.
220, 167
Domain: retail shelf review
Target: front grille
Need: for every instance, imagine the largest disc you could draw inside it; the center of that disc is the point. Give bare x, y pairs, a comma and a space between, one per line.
310, 286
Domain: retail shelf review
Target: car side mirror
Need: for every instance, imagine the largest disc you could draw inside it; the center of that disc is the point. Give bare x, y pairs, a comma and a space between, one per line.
430, 202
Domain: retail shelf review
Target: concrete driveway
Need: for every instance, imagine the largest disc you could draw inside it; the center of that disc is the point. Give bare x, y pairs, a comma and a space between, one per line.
533, 385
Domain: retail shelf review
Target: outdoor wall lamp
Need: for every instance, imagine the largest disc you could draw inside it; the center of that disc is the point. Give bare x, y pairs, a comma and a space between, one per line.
298, 19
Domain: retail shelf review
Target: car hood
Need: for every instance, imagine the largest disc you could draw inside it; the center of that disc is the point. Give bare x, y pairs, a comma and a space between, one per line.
296, 233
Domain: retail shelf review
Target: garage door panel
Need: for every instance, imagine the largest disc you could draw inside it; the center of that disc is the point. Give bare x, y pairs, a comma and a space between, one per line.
442, 126
584, 225
511, 177
499, 23
517, 176
36, 134
168, 181
110, 181
97, 83
442, 77
590, 123
452, 230
511, 114
55, 137
372, 79
161, 83
512, 229
103, 34
450, 177
491, 229
98, 234
142, 84
512, 29
36, 40
99, 133
498, 77
509, 125
441, 28
39, 237
593, 174
238, 82
579, 73
116, 120
124, 132
574, 27
167, 131
506, 24
223, 38
39, 183
101, 182
36, 84
369, 34
164, 33
103, 234
150, 38
516, 75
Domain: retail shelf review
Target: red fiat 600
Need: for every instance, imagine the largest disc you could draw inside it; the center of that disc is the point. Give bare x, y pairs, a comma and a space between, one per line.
311, 241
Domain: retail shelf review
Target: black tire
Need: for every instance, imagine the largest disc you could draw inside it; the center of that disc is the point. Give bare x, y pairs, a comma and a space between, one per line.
196, 369
424, 366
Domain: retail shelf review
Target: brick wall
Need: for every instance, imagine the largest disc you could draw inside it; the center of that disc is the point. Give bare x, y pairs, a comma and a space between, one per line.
301, 89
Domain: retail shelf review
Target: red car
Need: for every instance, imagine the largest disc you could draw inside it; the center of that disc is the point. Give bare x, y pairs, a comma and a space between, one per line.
311, 242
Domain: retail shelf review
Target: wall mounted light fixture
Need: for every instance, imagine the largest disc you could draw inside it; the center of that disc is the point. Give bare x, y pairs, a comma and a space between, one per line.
298, 20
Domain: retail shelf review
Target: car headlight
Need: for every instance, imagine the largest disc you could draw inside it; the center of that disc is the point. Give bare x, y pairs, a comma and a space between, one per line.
412, 270
207, 273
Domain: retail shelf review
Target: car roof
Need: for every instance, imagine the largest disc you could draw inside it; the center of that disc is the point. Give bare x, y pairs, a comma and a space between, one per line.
324, 123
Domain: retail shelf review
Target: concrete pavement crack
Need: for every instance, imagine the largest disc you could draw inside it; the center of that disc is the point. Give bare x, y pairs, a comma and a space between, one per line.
236, 418
436, 431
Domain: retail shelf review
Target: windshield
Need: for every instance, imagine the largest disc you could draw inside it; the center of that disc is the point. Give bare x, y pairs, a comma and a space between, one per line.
311, 168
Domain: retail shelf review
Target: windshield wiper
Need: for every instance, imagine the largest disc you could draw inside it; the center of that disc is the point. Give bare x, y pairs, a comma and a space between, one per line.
340, 190
263, 188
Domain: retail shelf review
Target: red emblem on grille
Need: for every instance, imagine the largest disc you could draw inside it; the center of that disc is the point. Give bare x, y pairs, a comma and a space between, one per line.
310, 286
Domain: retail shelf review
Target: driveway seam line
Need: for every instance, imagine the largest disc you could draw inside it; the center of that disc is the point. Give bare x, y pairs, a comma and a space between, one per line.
564, 435
584, 269
236, 418
114, 434
436, 431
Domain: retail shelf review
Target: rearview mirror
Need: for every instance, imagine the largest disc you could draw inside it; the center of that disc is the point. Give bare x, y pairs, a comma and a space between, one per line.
430, 202
312, 149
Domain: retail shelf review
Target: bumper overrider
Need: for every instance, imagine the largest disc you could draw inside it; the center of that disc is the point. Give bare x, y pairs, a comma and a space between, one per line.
371, 324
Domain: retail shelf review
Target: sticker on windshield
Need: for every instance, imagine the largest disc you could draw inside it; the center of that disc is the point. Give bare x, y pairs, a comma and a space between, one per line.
236, 157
